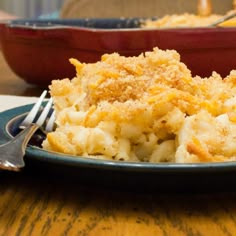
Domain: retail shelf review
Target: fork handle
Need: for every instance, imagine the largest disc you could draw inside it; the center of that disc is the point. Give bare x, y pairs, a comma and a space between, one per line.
13, 152
234, 4
24, 136
204, 7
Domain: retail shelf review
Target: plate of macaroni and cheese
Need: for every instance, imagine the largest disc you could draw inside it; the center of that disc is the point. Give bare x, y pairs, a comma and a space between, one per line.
143, 114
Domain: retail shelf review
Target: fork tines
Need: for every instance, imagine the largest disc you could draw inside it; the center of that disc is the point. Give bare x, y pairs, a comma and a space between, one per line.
39, 114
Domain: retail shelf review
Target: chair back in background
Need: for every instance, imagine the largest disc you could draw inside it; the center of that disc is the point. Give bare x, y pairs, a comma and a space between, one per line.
136, 8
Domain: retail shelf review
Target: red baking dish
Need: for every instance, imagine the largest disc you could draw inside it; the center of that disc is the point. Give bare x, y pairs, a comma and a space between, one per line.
39, 50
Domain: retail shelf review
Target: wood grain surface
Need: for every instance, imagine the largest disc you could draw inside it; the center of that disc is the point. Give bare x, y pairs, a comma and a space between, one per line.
38, 203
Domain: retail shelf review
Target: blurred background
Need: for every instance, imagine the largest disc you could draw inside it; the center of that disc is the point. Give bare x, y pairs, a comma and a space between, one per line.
117, 8
30, 8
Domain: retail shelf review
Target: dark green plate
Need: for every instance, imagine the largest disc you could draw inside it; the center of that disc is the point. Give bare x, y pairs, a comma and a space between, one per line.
128, 174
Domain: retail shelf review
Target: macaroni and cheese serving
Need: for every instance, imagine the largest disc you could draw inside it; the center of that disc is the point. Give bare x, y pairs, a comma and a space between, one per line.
187, 20
147, 108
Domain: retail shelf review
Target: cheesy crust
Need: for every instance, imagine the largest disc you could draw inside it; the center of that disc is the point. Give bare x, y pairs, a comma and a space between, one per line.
145, 108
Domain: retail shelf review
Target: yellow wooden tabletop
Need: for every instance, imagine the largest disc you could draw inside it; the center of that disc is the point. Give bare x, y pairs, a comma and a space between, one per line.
38, 204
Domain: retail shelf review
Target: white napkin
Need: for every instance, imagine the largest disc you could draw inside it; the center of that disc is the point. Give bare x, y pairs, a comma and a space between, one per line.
8, 101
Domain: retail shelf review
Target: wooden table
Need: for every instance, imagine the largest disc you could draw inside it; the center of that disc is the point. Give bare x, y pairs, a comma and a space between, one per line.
37, 204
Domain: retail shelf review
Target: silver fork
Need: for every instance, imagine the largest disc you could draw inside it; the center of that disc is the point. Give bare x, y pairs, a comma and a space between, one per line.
12, 153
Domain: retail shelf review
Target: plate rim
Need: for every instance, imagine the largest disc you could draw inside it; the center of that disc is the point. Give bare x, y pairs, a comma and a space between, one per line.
39, 154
